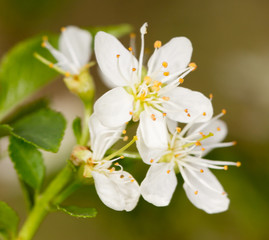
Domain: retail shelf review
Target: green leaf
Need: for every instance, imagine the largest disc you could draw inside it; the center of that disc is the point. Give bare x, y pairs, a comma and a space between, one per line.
77, 128
8, 221
28, 162
26, 109
116, 30
5, 130
21, 74
44, 128
78, 211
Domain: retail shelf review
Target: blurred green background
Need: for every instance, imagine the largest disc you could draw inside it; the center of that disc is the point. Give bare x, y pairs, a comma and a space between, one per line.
231, 48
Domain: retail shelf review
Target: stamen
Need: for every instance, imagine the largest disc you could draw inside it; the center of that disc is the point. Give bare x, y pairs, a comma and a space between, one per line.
63, 29
43, 44
178, 129
165, 64
118, 55
157, 44
181, 80
125, 138
198, 143
133, 69
223, 111
67, 74
130, 49
196, 192
124, 131
204, 113
166, 98
168, 171
122, 176
234, 142
166, 74
147, 79
164, 114
225, 167
51, 65
193, 66
131, 113
201, 170
186, 110
238, 164
211, 96
151, 160
121, 157
153, 117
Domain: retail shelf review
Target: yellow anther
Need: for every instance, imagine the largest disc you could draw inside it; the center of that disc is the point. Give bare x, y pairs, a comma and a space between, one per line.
43, 44
164, 114
193, 66
166, 74
223, 193
204, 113
51, 65
133, 69
132, 35
112, 170
151, 160
188, 115
131, 113
177, 155
156, 89
165, 64
211, 96
147, 79
153, 117
186, 110
178, 129
181, 80
218, 128
196, 192
135, 138
201, 170
121, 157
198, 143
234, 142
124, 131
202, 134
203, 149
142, 96
67, 74
157, 44
238, 164
225, 167
157, 83
166, 98
118, 55
117, 164
63, 29
125, 138
122, 176
168, 171
130, 49
223, 111
45, 38
132, 180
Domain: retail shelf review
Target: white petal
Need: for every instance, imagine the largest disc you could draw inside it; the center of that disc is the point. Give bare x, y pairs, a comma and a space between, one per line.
195, 102
177, 53
148, 155
75, 44
153, 132
207, 199
114, 107
116, 192
159, 185
217, 127
107, 47
102, 138
105, 79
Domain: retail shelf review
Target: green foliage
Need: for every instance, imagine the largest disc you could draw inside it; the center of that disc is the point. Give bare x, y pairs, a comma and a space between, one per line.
8, 221
21, 74
28, 162
5, 130
26, 109
78, 211
77, 128
116, 30
44, 129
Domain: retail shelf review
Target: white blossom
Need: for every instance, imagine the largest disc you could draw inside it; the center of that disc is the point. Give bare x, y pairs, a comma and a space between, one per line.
116, 188
182, 151
74, 49
151, 94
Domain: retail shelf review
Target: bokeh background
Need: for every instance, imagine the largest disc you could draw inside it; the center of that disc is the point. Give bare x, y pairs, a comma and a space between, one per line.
231, 47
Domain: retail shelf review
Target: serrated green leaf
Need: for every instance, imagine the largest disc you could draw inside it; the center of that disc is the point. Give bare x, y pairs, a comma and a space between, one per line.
28, 162
116, 30
5, 130
44, 128
21, 74
8, 221
78, 211
77, 128
26, 109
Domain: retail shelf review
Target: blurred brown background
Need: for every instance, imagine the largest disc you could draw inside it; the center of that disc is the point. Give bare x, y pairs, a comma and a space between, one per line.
231, 49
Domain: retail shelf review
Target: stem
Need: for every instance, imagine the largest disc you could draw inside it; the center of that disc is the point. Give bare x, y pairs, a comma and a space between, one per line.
41, 207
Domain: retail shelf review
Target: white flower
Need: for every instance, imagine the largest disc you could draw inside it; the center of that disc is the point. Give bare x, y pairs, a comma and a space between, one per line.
115, 187
182, 152
148, 95
74, 49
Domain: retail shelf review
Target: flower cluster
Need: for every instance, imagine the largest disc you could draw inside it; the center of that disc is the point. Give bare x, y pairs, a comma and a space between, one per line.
152, 96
